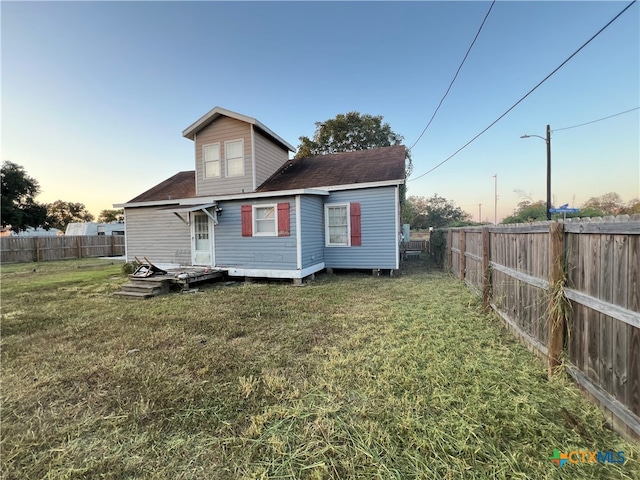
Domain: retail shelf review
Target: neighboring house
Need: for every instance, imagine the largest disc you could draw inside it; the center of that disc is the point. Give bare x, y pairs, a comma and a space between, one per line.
247, 208
93, 228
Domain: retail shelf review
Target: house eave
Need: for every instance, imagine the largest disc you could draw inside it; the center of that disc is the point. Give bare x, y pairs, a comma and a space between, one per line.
194, 201
276, 193
151, 203
356, 186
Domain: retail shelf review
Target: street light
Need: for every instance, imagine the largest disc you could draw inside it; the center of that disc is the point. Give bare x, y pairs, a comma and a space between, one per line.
548, 141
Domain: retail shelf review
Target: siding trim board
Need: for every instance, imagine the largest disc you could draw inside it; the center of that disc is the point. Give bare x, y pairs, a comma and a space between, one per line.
274, 273
253, 157
298, 234
398, 227
195, 148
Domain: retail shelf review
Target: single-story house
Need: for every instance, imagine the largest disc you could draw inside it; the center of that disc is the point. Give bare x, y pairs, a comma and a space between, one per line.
249, 209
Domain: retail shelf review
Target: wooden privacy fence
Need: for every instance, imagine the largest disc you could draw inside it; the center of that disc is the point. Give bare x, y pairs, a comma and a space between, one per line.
569, 290
41, 249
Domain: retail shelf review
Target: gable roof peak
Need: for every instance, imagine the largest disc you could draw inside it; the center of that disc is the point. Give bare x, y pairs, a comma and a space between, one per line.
216, 112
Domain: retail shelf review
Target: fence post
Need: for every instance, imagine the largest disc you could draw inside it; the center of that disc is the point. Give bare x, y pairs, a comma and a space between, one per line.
449, 251
79, 245
486, 270
36, 245
556, 316
462, 245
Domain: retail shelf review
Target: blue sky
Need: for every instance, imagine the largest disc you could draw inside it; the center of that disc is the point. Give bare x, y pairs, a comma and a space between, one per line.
95, 95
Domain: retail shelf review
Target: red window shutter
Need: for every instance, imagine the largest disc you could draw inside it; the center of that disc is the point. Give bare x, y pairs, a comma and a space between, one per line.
247, 221
284, 221
356, 225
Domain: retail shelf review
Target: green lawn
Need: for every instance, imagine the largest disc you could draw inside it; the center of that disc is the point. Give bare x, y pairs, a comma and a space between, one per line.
349, 377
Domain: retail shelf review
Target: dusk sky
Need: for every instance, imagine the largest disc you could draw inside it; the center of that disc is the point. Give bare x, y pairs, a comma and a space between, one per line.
95, 95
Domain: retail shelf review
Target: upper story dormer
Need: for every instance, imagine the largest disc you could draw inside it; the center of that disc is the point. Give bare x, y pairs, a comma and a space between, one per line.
234, 153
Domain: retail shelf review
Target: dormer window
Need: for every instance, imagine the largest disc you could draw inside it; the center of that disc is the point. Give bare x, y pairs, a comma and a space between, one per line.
234, 154
211, 156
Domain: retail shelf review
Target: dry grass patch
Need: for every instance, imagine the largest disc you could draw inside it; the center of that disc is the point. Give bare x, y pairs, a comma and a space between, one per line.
349, 377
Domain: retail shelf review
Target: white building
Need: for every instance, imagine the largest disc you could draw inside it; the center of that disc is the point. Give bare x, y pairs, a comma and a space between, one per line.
93, 228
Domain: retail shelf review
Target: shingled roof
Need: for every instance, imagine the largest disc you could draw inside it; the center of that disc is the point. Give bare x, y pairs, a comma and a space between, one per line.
362, 166
181, 185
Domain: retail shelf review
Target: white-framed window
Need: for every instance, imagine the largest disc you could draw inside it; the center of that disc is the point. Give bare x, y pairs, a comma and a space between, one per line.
336, 218
211, 159
234, 154
265, 220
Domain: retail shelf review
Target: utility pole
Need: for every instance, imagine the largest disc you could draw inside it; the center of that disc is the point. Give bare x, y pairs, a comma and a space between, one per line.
548, 140
479, 213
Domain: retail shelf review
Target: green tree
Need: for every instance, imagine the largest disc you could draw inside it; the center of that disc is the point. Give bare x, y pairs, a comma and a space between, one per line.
108, 216
60, 214
350, 132
19, 208
408, 214
527, 212
435, 211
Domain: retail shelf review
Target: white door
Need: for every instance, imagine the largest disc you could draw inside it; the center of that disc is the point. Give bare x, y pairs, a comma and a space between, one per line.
201, 239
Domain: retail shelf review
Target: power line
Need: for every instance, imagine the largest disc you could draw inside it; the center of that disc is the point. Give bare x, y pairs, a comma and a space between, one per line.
527, 94
594, 121
455, 76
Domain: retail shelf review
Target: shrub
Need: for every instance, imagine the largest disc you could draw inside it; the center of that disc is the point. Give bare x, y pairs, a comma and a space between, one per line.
130, 267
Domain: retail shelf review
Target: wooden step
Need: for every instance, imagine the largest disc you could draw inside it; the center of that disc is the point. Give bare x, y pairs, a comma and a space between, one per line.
141, 288
145, 287
123, 293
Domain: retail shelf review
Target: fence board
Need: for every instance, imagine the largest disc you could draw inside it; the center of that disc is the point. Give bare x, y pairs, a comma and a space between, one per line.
620, 288
633, 333
605, 293
602, 263
42, 249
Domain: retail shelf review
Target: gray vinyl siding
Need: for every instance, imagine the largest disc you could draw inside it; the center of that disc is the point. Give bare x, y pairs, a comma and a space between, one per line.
234, 250
379, 230
158, 235
222, 130
312, 228
269, 157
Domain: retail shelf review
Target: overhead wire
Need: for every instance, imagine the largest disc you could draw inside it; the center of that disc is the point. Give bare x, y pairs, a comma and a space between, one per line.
527, 94
455, 76
594, 121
